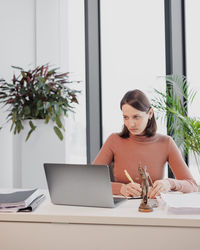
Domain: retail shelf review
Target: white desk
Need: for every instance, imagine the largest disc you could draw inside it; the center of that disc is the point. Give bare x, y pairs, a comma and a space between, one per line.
52, 227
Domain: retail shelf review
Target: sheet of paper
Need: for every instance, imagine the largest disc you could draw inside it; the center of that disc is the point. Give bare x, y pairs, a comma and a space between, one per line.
129, 198
189, 200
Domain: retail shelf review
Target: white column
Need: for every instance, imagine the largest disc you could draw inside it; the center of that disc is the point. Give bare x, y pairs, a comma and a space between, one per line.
16, 48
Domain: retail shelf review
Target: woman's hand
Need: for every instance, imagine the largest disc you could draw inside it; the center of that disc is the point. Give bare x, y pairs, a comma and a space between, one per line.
159, 186
131, 189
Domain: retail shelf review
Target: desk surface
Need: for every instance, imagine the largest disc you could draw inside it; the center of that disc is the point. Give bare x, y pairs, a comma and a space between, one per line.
124, 214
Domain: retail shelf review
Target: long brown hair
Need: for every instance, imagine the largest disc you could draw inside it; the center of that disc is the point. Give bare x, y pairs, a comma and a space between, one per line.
138, 100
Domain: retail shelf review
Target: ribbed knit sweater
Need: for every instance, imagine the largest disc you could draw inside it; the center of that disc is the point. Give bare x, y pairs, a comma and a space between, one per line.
153, 152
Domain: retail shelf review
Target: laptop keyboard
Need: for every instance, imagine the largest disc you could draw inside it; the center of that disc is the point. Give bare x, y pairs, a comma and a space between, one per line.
118, 199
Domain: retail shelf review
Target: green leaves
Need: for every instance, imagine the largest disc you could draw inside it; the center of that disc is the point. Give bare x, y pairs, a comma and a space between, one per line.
58, 122
58, 132
27, 110
33, 127
171, 105
41, 93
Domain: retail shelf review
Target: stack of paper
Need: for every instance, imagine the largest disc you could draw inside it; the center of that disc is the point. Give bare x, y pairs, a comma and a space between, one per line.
182, 203
20, 201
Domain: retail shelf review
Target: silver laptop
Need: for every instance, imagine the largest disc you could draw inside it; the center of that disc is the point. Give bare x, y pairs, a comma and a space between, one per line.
80, 185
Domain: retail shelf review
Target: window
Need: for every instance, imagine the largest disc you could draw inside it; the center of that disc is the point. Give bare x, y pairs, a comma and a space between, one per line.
133, 54
193, 55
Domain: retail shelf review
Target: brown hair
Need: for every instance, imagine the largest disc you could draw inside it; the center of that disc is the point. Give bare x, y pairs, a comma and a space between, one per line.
138, 100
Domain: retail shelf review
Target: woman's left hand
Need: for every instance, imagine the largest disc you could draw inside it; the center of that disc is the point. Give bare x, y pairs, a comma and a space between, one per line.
159, 186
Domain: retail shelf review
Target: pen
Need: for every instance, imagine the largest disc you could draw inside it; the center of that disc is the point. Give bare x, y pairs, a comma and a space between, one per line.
128, 176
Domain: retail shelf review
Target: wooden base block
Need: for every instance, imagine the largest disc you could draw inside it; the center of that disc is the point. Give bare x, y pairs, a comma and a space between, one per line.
145, 210
145, 207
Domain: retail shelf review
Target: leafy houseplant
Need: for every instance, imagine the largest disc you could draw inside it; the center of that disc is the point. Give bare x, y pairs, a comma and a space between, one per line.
172, 106
41, 93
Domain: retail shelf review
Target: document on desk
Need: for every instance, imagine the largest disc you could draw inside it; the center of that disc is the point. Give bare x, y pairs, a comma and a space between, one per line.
188, 203
23, 200
129, 198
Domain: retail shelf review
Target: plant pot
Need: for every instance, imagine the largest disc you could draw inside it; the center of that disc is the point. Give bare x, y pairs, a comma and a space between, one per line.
29, 156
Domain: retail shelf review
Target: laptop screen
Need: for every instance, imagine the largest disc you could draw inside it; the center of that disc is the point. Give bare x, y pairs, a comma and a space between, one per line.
79, 184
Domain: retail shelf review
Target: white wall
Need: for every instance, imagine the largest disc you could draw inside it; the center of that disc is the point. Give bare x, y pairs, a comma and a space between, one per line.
34, 32
76, 123
16, 48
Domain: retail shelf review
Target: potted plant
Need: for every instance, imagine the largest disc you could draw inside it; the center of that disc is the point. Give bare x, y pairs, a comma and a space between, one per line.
185, 129
39, 93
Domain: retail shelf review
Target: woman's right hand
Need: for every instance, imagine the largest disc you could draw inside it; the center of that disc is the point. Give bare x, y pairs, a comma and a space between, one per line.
131, 190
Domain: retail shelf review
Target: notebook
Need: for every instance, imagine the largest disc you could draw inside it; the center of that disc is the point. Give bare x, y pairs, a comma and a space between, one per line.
20, 201
80, 185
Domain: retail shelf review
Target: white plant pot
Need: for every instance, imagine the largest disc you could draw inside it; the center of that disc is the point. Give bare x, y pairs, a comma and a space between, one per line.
29, 156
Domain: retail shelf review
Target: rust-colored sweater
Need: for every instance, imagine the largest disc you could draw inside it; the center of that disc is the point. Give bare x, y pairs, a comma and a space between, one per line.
153, 152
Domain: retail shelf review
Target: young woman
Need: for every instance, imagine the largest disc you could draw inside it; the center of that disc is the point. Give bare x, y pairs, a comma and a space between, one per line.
138, 143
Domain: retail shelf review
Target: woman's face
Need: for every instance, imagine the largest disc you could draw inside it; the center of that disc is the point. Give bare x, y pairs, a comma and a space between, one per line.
135, 120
